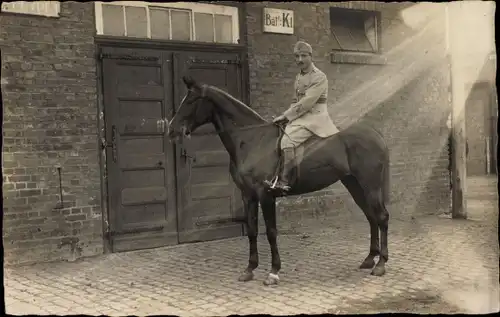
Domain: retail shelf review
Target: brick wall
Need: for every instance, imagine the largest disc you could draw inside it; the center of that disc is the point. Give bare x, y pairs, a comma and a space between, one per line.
49, 108
50, 121
405, 99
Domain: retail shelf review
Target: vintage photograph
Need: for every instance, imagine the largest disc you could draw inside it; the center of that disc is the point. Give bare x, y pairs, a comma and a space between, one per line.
220, 158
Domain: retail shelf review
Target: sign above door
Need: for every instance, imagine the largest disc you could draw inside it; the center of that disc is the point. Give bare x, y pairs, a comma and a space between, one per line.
277, 21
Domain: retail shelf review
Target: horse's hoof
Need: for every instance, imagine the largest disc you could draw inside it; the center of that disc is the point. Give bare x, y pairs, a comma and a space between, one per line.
378, 271
245, 277
272, 279
367, 264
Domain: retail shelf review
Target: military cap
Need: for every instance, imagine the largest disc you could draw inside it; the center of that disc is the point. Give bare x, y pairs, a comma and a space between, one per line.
302, 47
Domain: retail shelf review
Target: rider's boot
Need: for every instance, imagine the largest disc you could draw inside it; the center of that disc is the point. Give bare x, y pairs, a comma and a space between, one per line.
288, 163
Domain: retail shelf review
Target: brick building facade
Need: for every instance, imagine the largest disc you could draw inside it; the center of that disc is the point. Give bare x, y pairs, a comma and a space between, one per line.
410, 93
49, 93
56, 191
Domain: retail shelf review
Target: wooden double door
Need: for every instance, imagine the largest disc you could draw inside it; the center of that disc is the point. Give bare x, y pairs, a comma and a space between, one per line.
160, 192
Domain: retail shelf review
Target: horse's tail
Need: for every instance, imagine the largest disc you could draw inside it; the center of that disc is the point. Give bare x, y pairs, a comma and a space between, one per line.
386, 183
386, 173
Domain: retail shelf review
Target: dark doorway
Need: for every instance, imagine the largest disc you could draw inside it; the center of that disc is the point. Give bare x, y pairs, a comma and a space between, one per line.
481, 119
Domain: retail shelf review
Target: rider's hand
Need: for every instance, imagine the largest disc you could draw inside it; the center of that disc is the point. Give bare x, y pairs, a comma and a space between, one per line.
278, 119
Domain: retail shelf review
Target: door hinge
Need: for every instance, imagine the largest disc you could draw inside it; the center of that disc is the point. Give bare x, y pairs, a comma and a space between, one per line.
134, 231
236, 61
127, 57
221, 221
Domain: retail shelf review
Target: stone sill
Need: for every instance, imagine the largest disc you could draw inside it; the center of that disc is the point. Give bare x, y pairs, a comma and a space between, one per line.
357, 58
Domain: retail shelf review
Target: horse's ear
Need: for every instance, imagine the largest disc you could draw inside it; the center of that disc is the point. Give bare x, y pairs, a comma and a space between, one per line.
189, 81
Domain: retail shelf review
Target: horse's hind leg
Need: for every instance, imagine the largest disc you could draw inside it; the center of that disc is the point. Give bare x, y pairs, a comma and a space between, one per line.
383, 223
357, 193
375, 198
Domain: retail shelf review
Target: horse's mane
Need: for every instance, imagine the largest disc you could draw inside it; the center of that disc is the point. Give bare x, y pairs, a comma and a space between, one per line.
246, 108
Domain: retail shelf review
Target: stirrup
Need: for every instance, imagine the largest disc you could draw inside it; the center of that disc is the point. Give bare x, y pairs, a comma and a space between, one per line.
282, 188
272, 182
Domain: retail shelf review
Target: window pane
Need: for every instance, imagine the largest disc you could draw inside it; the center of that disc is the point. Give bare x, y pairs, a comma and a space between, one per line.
181, 25
342, 35
112, 20
223, 28
351, 38
137, 25
160, 23
204, 27
360, 41
371, 32
335, 44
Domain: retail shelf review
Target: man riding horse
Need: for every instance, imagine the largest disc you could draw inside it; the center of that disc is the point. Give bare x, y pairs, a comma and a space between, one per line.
307, 115
357, 156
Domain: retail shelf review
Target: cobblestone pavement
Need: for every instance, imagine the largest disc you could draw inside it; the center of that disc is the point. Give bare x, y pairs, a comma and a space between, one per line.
436, 265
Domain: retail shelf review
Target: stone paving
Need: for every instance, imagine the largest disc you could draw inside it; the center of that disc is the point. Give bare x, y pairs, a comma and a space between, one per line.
436, 265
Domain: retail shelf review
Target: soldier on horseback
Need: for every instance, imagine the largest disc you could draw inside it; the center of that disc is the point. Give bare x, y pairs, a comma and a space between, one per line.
307, 115
357, 156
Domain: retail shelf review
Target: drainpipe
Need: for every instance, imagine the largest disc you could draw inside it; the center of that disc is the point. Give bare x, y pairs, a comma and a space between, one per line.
458, 207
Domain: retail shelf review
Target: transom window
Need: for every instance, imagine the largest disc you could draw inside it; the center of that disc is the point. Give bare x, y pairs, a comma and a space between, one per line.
355, 30
43, 8
180, 21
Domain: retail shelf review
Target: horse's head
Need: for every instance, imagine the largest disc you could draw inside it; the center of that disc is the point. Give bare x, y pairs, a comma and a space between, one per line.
194, 111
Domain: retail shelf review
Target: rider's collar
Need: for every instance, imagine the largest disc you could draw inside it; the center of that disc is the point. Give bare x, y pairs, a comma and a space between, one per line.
313, 68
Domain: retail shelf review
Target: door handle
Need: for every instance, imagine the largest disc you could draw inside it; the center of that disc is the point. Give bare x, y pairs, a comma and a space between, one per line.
185, 154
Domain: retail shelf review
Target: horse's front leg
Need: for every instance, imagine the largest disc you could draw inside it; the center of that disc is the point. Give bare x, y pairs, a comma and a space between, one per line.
268, 205
251, 206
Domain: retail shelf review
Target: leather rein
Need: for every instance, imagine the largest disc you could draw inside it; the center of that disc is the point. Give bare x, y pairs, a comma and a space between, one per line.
219, 126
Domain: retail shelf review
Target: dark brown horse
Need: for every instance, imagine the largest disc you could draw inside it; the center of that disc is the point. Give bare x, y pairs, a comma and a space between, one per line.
357, 156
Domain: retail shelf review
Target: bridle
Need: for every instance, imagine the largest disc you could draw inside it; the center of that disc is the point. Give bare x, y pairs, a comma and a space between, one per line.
218, 122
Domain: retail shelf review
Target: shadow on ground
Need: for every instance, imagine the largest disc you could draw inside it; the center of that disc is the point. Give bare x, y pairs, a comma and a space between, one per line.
420, 303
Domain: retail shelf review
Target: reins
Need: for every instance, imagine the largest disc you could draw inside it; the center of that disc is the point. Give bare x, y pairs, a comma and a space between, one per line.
247, 127
219, 126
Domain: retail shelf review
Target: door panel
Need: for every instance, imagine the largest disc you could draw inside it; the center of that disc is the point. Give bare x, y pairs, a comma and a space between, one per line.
208, 191
141, 168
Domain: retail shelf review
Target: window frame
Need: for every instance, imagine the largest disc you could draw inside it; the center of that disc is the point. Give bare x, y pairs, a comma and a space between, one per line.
193, 7
358, 14
50, 9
